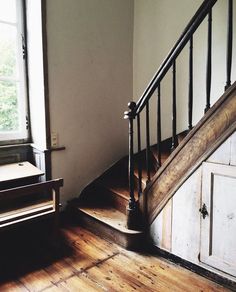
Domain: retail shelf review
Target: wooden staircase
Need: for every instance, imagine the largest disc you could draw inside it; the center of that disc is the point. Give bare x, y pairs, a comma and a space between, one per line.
131, 193
102, 205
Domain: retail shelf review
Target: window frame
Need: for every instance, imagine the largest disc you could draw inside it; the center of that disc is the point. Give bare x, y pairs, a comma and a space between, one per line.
24, 133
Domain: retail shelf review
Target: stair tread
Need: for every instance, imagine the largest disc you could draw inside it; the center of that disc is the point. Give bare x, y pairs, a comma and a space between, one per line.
109, 216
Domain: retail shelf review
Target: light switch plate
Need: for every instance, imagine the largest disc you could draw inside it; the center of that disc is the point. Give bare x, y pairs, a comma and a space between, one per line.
54, 139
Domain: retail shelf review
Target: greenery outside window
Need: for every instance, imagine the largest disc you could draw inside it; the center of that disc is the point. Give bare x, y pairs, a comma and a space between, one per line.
13, 86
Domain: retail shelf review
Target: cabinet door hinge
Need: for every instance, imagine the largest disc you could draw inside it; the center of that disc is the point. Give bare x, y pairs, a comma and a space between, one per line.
204, 211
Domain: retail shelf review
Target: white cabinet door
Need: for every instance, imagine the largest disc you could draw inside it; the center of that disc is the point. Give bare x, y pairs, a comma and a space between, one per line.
218, 228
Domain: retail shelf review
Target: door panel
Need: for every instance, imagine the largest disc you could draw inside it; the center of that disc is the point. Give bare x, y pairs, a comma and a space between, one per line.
218, 228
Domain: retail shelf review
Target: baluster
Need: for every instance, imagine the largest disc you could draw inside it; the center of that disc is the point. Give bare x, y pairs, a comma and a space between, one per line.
174, 136
190, 93
209, 56
229, 44
147, 143
159, 124
132, 206
139, 157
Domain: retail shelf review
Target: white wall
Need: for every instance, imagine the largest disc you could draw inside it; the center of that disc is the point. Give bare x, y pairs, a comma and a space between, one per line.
157, 26
90, 46
103, 53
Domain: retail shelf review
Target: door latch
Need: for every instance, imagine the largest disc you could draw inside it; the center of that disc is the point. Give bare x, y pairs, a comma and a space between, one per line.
204, 211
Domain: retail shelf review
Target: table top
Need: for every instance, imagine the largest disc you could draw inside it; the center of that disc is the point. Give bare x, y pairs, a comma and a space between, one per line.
20, 170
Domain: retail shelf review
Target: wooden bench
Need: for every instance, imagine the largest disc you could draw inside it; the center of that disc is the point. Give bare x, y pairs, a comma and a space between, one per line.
17, 174
35, 210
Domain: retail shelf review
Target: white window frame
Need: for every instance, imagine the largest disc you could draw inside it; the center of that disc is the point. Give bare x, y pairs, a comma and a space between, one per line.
23, 134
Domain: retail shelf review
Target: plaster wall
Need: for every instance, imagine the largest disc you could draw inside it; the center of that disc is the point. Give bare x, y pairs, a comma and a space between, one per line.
90, 48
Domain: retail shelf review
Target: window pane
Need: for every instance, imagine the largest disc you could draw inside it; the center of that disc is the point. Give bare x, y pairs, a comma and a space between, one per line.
8, 51
8, 10
9, 119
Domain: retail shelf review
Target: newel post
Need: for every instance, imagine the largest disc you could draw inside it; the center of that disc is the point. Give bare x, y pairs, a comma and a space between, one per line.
132, 209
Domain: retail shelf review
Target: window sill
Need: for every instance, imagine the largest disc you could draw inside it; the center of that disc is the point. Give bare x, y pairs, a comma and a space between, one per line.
58, 148
50, 149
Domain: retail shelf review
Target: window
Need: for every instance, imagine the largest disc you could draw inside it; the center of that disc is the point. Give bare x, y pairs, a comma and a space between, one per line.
13, 89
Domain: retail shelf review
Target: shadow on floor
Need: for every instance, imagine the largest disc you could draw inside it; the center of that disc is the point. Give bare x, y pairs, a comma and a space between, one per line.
30, 247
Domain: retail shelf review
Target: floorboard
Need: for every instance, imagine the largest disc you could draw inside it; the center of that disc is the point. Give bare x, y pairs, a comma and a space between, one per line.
32, 260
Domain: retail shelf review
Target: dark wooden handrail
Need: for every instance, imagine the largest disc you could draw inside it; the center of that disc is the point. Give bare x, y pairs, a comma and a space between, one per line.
187, 34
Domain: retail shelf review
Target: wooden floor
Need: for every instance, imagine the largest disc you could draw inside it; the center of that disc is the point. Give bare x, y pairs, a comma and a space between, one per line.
81, 261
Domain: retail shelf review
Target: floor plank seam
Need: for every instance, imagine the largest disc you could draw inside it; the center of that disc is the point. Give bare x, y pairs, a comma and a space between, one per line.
99, 262
45, 288
78, 273
96, 283
18, 281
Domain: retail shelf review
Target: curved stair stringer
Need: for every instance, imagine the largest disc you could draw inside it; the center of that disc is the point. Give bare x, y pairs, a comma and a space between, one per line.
211, 131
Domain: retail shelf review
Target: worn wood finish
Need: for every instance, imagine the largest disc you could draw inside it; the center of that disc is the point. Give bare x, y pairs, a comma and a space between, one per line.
86, 262
111, 224
167, 226
210, 132
185, 236
161, 228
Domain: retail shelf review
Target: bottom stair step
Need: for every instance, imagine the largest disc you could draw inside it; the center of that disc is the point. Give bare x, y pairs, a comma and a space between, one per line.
109, 223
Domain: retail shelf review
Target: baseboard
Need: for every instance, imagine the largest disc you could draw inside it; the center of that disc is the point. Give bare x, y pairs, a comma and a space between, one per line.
193, 267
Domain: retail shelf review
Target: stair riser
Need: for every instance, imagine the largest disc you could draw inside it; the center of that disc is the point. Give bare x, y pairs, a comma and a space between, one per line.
98, 195
114, 199
128, 241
